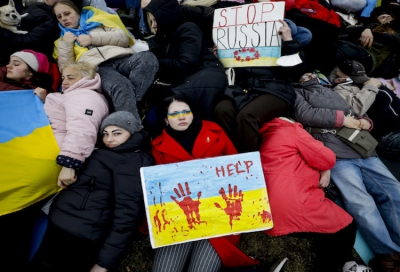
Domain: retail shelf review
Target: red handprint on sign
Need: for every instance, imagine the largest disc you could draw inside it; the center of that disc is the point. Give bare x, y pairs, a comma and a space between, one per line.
233, 203
189, 206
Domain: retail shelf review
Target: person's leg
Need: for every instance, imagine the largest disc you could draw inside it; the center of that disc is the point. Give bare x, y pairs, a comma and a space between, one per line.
347, 176
140, 69
385, 190
15, 237
252, 116
62, 251
118, 89
225, 113
389, 144
172, 258
204, 258
335, 249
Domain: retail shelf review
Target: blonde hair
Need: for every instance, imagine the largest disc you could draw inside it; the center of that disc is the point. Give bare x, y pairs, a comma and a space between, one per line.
149, 24
85, 69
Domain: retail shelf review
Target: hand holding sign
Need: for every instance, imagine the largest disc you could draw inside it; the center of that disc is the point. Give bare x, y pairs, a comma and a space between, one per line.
189, 206
233, 203
284, 31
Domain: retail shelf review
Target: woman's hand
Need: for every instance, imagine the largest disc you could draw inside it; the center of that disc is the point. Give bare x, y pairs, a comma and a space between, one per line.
351, 122
66, 177
97, 268
69, 37
364, 124
284, 31
367, 38
41, 93
325, 178
214, 51
84, 40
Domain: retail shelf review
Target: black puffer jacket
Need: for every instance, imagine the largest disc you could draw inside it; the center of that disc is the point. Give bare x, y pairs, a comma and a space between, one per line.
185, 61
106, 202
42, 29
274, 80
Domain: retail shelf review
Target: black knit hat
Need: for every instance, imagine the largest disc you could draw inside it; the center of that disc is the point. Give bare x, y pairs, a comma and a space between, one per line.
122, 119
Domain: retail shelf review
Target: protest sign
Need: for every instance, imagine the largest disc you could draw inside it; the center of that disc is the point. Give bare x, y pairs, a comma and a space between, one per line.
205, 198
247, 35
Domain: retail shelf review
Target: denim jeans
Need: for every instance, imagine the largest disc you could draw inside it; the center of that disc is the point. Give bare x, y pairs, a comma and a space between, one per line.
389, 144
125, 80
371, 194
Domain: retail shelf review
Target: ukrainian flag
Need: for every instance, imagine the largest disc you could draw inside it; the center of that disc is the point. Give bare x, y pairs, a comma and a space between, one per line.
28, 152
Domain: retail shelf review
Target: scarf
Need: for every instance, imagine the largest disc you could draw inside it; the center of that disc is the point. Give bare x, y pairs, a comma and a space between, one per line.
186, 138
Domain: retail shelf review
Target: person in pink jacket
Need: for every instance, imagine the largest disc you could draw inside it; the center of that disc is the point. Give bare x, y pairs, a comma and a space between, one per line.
75, 115
296, 169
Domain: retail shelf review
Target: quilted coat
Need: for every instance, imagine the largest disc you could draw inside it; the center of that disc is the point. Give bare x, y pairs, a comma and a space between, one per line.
75, 116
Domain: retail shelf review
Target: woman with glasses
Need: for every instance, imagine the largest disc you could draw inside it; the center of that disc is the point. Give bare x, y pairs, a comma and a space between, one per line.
184, 138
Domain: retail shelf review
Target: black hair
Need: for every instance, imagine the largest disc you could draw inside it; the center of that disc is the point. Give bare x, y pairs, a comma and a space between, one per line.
162, 109
37, 79
42, 80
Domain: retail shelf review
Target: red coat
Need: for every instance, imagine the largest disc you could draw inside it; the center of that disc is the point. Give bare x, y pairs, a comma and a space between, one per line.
291, 160
211, 142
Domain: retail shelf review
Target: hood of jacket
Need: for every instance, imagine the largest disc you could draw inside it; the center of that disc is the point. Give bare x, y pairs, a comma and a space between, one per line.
168, 16
278, 122
86, 83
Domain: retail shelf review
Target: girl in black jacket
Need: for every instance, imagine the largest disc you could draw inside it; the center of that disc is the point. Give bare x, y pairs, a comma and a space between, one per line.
185, 62
91, 222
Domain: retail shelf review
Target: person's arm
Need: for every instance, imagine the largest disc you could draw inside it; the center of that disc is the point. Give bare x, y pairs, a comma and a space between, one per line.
110, 36
190, 44
360, 99
128, 209
65, 49
313, 152
84, 112
308, 115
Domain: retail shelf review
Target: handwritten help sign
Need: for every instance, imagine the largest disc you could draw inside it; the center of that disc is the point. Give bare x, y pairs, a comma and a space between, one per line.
247, 35
205, 198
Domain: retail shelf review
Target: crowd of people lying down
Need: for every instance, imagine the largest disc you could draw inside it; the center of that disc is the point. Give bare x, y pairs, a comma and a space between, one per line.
302, 118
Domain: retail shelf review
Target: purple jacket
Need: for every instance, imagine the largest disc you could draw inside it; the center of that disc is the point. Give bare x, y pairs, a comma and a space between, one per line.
75, 116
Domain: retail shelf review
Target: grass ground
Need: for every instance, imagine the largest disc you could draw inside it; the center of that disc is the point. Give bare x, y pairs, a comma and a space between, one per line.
301, 253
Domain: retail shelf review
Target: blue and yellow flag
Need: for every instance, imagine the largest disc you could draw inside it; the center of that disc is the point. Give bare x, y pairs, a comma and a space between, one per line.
28, 152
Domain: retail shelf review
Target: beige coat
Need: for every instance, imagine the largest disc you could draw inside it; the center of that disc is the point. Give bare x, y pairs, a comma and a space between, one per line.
359, 99
107, 43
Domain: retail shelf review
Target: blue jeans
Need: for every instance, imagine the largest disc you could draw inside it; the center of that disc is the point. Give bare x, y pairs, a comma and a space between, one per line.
125, 80
299, 33
371, 194
389, 144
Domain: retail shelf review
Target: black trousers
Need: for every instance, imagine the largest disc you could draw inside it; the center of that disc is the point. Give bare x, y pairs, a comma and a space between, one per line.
61, 251
16, 235
333, 250
242, 126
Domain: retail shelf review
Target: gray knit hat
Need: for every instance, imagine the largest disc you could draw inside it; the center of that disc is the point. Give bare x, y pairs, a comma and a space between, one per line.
122, 119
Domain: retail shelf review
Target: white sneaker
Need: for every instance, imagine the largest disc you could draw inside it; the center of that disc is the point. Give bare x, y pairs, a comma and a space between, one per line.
354, 267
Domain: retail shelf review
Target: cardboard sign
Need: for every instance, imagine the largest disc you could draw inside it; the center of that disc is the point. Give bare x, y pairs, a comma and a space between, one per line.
205, 198
247, 35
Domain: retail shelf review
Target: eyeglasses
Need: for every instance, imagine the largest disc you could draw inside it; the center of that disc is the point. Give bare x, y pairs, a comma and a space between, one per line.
177, 113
